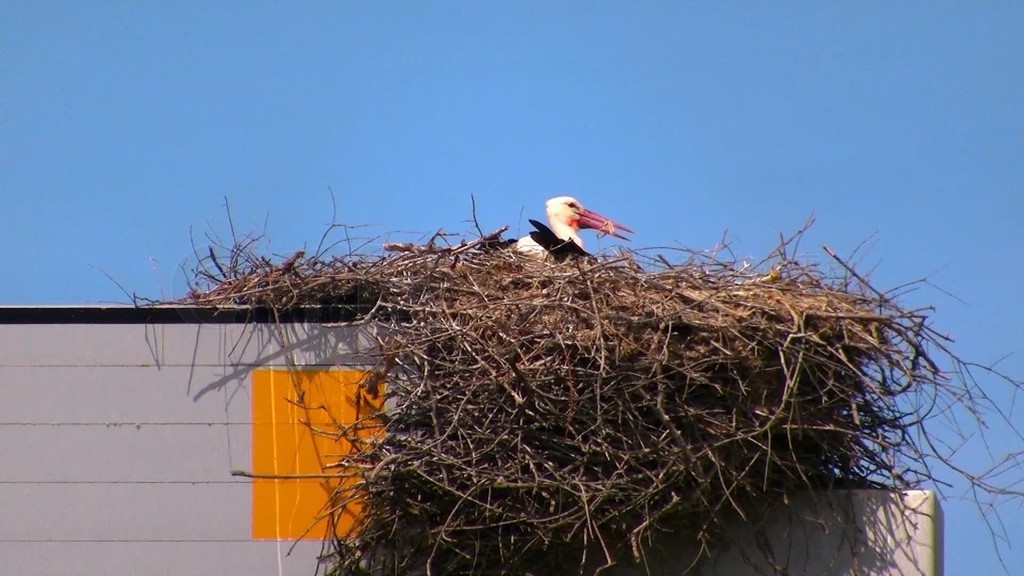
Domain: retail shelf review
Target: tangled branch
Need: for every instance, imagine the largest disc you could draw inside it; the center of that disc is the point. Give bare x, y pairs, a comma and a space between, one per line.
540, 413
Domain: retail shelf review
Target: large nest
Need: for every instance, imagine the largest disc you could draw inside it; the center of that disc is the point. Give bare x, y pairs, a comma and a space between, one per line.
540, 413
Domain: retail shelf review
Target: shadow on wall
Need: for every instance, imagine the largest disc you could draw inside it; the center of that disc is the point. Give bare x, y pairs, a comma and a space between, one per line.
288, 345
844, 533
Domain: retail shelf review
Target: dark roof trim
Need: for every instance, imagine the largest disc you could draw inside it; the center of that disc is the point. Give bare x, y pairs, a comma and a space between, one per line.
171, 315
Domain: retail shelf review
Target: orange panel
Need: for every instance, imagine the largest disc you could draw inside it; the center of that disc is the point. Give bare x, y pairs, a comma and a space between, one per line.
299, 419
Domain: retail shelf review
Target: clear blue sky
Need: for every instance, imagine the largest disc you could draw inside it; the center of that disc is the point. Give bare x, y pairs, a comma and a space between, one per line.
123, 126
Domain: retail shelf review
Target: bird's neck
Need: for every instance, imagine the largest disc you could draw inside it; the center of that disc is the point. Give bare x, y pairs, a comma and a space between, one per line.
565, 231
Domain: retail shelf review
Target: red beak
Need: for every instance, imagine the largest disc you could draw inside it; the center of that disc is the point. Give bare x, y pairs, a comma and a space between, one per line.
595, 221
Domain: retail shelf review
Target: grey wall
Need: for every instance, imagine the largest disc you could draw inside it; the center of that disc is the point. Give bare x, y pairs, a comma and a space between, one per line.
117, 442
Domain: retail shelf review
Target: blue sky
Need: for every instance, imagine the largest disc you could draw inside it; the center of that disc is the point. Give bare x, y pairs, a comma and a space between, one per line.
123, 128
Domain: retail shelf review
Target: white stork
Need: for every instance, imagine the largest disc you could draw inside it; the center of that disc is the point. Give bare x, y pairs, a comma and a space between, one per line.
566, 216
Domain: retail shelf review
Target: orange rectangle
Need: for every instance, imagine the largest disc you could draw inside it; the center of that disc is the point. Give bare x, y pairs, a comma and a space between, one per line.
304, 423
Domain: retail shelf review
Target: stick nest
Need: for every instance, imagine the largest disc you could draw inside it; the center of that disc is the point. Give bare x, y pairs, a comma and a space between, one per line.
551, 418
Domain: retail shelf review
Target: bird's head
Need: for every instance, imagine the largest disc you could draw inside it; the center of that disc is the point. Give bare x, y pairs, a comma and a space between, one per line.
567, 211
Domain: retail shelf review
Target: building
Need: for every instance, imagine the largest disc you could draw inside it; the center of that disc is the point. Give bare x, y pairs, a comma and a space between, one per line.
128, 438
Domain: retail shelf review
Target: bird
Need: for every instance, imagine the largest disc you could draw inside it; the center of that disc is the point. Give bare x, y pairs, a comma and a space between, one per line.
561, 239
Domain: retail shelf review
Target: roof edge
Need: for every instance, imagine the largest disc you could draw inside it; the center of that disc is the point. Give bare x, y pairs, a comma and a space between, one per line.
172, 314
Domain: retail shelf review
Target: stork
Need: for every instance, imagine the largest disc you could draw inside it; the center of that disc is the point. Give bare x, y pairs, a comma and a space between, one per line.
566, 216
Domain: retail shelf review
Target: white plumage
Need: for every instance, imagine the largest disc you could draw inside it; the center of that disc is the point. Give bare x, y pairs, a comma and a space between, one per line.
566, 216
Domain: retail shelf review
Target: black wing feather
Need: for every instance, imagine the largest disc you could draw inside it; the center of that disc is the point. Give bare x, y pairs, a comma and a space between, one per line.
557, 247
498, 244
